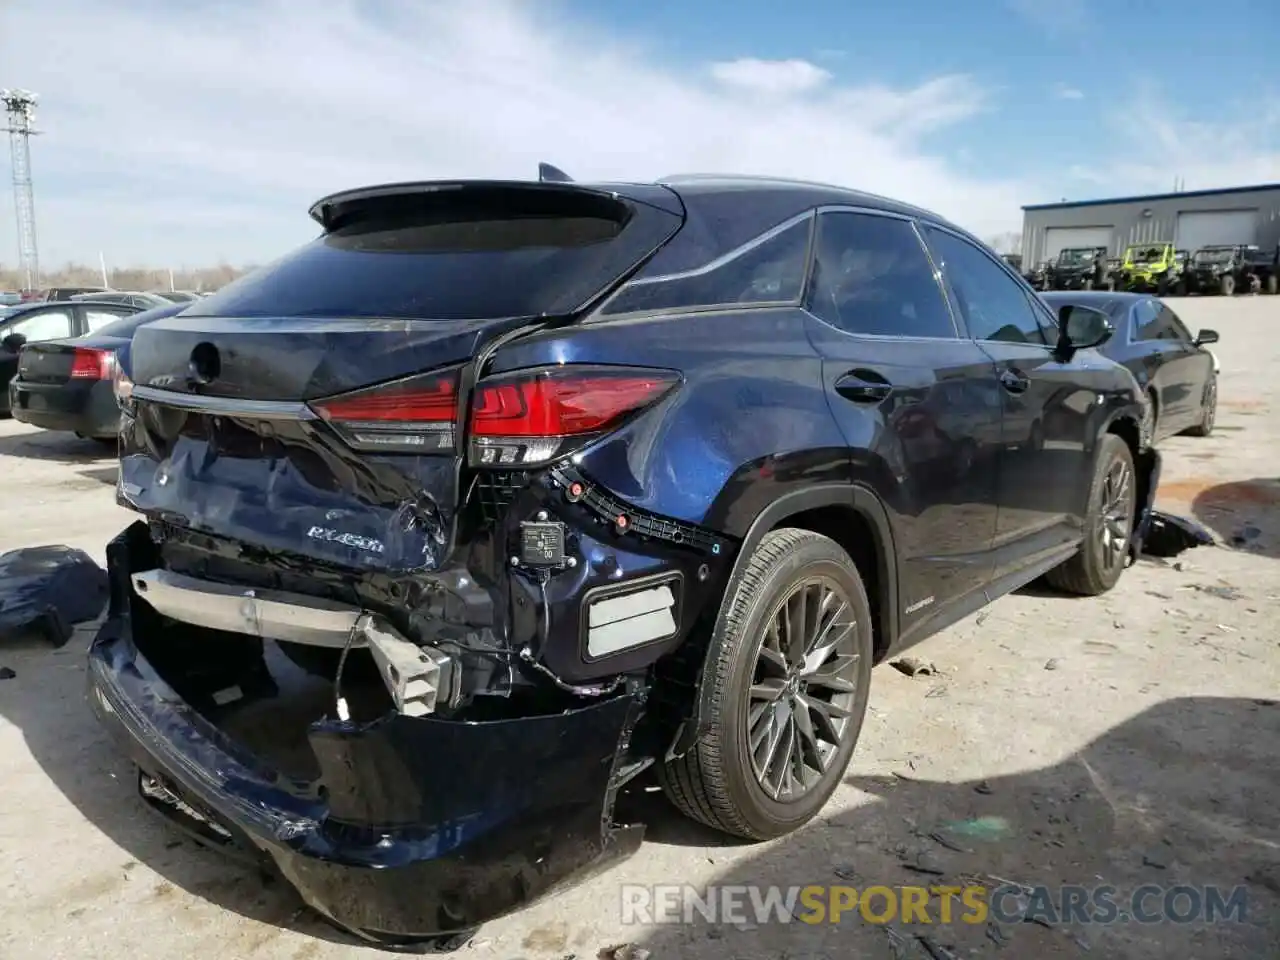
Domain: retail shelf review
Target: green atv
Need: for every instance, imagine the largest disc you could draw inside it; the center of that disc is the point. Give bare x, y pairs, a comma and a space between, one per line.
1151, 267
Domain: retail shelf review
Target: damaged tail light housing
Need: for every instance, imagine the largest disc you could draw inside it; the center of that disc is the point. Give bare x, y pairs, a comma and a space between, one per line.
531, 417
417, 415
523, 419
89, 363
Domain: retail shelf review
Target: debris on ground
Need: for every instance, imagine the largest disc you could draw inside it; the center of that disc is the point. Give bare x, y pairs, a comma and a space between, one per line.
1052, 663
1216, 590
913, 667
979, 828
897, 943
1169, 535
935, 950
49, 589
984, 788
1246, 535
623, 951
6, 673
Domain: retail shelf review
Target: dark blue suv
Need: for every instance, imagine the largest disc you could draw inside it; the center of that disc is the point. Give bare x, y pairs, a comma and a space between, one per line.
498, 494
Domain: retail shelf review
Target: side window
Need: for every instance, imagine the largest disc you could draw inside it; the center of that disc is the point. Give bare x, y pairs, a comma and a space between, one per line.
768, 271
872, 276
1145, 317
97, 317
993, 304
44, 325
1171, 328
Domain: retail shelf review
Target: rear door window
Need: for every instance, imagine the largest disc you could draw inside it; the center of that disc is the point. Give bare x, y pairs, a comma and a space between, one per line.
871, 276
1146, 320
54, 324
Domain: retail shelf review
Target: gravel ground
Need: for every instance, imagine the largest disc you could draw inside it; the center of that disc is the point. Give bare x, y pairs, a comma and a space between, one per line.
1130, 739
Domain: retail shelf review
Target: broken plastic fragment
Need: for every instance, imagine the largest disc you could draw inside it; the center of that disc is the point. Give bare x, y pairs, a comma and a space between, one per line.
1169, 535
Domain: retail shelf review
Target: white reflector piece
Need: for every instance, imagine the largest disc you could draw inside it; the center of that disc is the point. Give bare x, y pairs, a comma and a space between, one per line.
630, 620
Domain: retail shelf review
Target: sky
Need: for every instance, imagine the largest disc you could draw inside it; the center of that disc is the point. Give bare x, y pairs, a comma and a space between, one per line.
197, 132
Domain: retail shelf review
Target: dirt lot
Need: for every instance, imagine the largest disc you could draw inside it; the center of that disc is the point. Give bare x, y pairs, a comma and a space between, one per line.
1132, 739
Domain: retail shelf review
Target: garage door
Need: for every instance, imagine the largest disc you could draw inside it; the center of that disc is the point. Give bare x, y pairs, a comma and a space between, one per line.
1062, 238
1217, 228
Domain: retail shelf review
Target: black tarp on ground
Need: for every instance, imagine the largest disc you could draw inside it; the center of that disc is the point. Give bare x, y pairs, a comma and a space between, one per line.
50, 589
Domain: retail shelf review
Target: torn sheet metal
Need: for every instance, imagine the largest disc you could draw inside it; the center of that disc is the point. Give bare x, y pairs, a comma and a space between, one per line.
50, 589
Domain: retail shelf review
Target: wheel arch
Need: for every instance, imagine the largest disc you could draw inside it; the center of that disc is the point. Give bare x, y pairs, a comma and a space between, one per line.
853, 516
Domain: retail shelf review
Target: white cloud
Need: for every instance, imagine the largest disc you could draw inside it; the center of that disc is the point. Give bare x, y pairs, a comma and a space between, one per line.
1065, 92
183, 133
780, 77
1154, 143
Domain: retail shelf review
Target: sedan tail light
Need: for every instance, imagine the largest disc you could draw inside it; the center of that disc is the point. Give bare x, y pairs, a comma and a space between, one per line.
90, 363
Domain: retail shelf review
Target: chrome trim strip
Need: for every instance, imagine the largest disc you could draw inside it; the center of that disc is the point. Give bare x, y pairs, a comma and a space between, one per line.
226, 406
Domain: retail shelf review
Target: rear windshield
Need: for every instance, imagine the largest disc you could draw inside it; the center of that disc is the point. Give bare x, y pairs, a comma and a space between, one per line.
475, 261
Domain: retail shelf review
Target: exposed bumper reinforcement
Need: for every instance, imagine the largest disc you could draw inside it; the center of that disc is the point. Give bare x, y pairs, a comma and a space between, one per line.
419, 678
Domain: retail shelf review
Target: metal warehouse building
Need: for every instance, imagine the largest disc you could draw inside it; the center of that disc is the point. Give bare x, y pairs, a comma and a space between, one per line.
1190, 220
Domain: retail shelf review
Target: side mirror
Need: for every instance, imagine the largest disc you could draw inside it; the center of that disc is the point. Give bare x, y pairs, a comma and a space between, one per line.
1206, 337
1081, 328
14, 342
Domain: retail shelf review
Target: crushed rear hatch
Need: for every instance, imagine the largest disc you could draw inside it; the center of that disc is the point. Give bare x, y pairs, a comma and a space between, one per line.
250, 416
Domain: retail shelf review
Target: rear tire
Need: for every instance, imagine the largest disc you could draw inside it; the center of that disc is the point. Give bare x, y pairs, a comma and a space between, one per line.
1108, 525
1209, 415
1150, 420
1228, 285
761, 694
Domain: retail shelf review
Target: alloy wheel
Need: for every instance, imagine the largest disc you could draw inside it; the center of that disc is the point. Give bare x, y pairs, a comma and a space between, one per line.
1116, 516
803, 689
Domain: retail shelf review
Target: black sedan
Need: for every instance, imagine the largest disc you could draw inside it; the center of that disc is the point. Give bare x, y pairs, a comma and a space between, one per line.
67, 384
48, 320
1178, 375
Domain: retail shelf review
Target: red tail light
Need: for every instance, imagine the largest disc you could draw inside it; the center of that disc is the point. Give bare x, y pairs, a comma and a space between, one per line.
92, 364
411, 416
530, 418
521, 419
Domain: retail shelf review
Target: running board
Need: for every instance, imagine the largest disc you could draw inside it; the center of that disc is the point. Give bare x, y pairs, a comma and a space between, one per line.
419, 679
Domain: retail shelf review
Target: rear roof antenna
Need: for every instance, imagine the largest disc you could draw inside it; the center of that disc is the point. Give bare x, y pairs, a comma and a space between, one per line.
549, 174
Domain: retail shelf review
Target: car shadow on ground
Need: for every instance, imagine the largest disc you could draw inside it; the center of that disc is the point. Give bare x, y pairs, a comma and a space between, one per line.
56, 447
46, 701
1180, 795
1245, 514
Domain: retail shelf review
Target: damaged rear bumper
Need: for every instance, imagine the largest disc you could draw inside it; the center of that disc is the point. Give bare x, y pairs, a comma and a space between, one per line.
418, 828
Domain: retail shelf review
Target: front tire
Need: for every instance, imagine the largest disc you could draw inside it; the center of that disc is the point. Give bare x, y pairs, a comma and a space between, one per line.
789, 691
1108, 524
